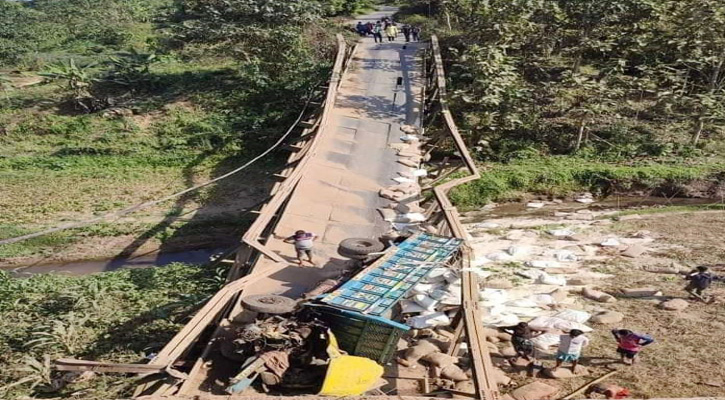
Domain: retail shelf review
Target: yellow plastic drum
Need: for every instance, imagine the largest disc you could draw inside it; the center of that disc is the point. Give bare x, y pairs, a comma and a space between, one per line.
348, 375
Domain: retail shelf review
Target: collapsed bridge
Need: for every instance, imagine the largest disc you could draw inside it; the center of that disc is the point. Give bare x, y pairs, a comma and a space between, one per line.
337, 178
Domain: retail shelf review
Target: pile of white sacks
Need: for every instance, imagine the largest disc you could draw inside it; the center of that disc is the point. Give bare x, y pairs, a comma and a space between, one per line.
404, 211
545, 267
435, 300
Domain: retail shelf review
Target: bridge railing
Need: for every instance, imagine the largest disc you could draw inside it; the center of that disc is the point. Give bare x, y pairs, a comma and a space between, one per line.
435, 104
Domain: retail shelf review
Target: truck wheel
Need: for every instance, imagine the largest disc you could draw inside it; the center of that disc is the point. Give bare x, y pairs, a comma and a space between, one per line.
356, 247
269, 304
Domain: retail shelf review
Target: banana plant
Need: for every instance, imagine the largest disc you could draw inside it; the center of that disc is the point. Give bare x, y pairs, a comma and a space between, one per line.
131, 67
78, 77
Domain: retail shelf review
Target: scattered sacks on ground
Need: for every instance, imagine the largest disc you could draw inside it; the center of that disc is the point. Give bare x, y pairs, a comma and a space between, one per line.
607, 317
535, 391
674, 305
565, 373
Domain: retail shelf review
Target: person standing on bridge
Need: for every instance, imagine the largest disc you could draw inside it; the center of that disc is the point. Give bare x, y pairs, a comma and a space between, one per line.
378, 32
304, 242
361, 29
370, 27
391, 31
415, 31
406, 32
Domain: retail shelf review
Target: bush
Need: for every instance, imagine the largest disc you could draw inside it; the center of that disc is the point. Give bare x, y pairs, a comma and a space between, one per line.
118, 316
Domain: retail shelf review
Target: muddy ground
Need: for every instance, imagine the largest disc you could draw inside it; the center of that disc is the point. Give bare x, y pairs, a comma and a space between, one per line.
686, 359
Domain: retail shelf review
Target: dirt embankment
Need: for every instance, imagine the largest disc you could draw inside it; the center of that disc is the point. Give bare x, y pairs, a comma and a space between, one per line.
682, 362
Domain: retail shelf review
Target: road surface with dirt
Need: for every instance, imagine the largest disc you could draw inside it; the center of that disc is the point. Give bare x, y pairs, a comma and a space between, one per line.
338, 196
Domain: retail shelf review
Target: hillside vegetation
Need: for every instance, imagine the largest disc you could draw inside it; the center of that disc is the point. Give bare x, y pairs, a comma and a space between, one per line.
108, 103
638, 83
121, 316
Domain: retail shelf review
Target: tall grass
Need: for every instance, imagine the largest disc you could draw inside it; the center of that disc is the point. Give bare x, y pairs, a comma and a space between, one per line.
118, 316
560, 176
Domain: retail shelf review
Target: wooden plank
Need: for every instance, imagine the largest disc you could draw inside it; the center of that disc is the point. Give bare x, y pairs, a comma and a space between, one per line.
586, 385
264, 250
307, 124
72, 364
457, 332
486, 387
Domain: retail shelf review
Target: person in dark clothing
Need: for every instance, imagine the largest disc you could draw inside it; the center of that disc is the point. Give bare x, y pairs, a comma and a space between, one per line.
406, 32
415, 31
370, 27
361, 29
700, 279
521, 336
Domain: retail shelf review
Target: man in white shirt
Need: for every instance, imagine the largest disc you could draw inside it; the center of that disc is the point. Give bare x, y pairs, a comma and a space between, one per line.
570, 348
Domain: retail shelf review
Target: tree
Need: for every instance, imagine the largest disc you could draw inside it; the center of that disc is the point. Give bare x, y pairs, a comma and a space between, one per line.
695, 33
586, 100
489, 90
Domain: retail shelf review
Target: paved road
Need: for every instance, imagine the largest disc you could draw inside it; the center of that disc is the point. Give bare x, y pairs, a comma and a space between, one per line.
338, 197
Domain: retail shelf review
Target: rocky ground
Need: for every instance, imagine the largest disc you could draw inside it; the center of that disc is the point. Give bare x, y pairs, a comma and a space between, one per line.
591, 259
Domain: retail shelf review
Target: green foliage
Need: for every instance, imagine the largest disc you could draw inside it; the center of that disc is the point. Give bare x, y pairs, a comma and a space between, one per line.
558, 176
131, 67
28, 30
122, 316
78, 77
560, 76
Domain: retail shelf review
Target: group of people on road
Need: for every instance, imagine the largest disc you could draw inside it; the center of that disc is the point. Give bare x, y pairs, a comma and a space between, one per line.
389, 28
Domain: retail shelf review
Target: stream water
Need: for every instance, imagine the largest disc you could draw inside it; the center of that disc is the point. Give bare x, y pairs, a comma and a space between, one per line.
83, 267
612, 203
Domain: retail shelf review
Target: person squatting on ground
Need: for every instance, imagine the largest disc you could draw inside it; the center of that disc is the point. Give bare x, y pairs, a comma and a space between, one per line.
609, 391
521, 336
304, 242
391, 31
700, 279
378, 32
629, 344
570, 348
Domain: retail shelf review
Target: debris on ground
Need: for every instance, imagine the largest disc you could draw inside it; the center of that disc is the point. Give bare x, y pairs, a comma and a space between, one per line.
517, 286
535, 391
565, 373
674, 305
607, 317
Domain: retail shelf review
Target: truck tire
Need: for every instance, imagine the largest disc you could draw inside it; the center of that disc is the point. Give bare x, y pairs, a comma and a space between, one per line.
269, 304
356, 247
